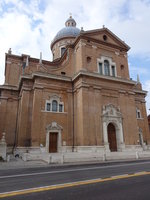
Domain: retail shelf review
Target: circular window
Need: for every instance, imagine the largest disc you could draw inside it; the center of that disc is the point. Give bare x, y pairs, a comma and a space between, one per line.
104, 37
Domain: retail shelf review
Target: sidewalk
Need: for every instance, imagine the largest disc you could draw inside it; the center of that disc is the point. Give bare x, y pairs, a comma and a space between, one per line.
17, 163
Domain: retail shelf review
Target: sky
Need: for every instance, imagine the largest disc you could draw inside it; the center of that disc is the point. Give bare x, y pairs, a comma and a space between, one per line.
29, 26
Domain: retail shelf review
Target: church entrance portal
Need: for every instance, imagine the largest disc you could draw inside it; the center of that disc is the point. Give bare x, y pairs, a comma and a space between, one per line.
53, 138
112, 137
53, 142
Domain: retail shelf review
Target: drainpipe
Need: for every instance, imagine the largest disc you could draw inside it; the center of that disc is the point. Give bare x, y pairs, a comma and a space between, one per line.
73, 117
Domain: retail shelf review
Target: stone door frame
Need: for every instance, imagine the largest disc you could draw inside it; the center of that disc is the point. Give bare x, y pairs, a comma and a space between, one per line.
54, 128
112, 114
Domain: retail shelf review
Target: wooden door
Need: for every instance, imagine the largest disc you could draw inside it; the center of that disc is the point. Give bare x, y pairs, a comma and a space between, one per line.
112, 137
53, 142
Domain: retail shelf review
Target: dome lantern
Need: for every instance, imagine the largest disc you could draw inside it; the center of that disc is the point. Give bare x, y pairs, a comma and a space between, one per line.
70, 22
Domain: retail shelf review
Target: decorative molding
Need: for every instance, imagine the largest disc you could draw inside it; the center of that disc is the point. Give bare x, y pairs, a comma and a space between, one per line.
97, 87
111, 63
131, 93
53, 126
55, 97
140, 91
122, 91
59, 102
8, 62
117, 53
111, 113
94, 47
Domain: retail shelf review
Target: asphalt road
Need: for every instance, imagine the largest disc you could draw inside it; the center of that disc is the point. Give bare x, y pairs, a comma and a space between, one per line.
132, 186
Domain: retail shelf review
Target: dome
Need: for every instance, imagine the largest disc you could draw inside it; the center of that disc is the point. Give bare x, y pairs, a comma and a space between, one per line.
69, 31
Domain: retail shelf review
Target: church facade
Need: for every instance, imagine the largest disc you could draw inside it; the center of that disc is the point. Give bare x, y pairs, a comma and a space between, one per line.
82, 101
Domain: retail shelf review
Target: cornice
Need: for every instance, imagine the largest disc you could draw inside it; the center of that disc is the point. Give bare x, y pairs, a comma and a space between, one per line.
8, 87
35, 60
111, 34
65, 37
101, 42
52, 76
49, 76
108, 78
140, 92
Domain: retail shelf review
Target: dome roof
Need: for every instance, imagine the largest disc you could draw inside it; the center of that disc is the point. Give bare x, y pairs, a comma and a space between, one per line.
69, 31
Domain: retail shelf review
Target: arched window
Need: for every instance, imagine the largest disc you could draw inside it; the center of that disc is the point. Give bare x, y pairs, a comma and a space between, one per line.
138, 114
62, 50
54, 106
106, 68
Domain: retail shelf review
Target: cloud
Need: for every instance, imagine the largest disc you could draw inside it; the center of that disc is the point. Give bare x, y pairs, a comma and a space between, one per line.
138, 70
18, 32
146, 86
28, 26
134, 29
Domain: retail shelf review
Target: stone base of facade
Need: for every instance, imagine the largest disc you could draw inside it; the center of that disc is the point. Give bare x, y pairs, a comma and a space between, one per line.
82, 154
3, 148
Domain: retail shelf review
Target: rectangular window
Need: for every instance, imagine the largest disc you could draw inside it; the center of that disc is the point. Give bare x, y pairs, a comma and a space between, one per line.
48, 106
60, 107
100, 68
113, 70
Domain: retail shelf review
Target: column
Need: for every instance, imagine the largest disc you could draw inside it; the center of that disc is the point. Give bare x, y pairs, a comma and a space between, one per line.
105, 136
121, 142
59, 141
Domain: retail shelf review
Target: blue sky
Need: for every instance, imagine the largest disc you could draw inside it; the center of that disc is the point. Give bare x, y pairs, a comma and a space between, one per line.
29, 26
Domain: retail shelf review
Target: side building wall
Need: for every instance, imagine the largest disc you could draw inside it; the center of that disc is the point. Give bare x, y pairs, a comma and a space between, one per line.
8, 114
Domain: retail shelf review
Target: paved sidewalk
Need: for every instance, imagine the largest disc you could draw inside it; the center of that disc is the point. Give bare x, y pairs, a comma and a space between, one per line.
19, 163
16, 163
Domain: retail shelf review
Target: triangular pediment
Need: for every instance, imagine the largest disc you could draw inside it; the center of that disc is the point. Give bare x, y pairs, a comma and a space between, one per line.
105, 36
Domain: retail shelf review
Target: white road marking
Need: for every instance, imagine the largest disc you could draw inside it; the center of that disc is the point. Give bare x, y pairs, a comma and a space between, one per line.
73, 170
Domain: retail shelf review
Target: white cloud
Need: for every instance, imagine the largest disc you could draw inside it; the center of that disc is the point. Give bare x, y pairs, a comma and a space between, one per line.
135, 29
146, 86
138, 70
27, 28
